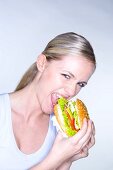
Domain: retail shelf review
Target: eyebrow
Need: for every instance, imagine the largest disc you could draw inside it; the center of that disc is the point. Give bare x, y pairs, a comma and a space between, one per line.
70, 73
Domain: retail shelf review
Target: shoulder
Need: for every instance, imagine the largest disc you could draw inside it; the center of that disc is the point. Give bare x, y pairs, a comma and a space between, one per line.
4, 103
3, 107
3, 98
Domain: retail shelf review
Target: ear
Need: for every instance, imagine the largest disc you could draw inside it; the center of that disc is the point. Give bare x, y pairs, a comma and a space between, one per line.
41, 62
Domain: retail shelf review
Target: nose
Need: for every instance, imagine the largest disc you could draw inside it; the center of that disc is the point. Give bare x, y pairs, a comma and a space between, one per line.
71, 90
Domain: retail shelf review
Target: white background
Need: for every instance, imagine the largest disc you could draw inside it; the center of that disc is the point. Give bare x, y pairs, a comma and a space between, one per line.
26, 26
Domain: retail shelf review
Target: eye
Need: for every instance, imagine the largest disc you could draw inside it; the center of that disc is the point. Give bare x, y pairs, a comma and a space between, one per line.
66, 76
82, 84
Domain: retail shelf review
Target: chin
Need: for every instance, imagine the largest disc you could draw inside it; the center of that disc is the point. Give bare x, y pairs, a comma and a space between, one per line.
47, 109
47, 106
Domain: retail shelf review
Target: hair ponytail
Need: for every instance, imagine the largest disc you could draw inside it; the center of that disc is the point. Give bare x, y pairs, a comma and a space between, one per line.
27, 77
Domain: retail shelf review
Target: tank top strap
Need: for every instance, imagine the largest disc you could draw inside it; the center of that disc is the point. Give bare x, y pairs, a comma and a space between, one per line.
4, 117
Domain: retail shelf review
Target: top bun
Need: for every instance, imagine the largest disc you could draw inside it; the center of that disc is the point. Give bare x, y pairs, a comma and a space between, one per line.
82, 111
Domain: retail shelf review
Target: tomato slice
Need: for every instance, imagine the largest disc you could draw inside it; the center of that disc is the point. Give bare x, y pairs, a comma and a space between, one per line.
71, 121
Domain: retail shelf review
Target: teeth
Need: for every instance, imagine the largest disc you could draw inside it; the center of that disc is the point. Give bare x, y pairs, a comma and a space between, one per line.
58, 96
55, 97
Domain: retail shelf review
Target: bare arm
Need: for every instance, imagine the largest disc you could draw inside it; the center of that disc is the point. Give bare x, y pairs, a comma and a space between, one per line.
46, 164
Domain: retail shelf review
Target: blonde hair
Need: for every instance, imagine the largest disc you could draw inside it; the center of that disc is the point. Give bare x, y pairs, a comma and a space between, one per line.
62, 45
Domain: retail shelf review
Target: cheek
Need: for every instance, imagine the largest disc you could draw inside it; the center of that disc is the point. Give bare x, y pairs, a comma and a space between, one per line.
46, 83
78, 89
46, 88
53, 80
49, 82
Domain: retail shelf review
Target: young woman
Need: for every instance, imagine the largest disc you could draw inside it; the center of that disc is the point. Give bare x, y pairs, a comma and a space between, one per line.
28, 139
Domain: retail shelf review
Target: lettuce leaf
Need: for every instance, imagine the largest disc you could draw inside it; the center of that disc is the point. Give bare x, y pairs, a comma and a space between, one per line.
62, 102
70, 131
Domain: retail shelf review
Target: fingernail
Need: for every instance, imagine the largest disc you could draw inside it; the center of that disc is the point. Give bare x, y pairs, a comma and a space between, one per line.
85, 119
90, 120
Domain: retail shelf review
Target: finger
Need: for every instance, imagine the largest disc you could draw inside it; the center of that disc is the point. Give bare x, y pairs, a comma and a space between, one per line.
80, 134
86, 143
93, 127
85, 152
87, 136
91, 142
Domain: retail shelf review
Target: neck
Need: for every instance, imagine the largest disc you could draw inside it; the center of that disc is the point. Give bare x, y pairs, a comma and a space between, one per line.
25, 102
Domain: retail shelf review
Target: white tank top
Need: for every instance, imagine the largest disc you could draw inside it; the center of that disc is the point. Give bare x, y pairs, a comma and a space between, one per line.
11, 158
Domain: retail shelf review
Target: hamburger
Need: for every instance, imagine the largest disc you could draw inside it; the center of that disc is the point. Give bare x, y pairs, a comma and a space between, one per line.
70, 115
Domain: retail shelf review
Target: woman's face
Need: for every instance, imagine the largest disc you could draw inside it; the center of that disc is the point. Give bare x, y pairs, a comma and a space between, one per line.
63, 77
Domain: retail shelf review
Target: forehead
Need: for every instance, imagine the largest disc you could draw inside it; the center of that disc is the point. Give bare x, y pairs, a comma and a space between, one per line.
73, 62
77, 65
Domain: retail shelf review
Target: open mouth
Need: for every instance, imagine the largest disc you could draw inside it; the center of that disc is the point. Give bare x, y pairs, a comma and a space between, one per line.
54, 98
